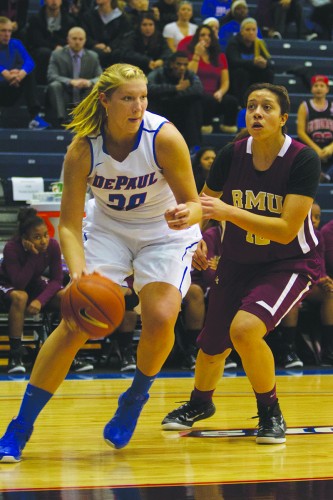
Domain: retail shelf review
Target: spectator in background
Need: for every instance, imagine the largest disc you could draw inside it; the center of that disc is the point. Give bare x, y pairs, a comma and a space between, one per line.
230, 25
176, 31
145, 47
78, 7
213, 22
23, 286
249, 59
47, 31
175, 92
215, 8
322, 293
315, 124
134, 9
201, 163
31, 278
71, 73
16, 11
264, 18
211, 65
166, 12
322, 17
278, 14
105, 26
17, 74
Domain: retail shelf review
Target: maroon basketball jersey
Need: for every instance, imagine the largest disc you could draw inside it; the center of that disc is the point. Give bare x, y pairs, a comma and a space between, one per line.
263, 193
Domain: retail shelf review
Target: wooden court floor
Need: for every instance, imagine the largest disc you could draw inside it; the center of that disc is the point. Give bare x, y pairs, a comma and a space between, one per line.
67, 458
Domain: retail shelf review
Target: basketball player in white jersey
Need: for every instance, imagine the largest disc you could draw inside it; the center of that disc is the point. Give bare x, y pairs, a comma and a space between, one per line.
142, 220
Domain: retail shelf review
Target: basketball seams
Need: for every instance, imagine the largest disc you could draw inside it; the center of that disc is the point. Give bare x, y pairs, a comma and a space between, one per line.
72, 307
95, 304
107, 288
91, 302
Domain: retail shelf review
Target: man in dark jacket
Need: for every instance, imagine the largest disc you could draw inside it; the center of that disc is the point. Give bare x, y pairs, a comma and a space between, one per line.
46, 31
105, 26
175, 92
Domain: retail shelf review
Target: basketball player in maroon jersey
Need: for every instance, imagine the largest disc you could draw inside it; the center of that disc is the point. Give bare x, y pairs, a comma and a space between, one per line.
269, 261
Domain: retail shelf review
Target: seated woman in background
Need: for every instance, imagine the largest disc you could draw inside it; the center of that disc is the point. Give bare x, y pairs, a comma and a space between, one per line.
201, 163
24, 288
145, 47
213, 22
249, 59
22, 284
133, 9
176, 31
211, 65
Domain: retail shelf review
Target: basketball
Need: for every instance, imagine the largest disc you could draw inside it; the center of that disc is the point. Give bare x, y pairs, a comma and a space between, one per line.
94, 304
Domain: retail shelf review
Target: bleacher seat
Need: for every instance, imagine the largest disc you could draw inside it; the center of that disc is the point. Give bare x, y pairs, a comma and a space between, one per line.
326, 216
285, 63
324, 196
300, 48
34, 141
216, 140
293, 83
31, 164
34, 6
296, 99
36, 329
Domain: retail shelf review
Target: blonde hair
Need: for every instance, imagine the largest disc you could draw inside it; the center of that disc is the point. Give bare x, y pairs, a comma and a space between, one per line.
5, 20
89, 114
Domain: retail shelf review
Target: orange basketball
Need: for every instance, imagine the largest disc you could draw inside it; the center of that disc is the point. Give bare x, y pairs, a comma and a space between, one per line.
94, 304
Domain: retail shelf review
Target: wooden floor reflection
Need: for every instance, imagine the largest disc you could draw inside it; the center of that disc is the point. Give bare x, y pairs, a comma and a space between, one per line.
67, 458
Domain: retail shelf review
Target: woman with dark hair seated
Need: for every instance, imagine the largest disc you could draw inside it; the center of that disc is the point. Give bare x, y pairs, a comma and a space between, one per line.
211, 65
145, 47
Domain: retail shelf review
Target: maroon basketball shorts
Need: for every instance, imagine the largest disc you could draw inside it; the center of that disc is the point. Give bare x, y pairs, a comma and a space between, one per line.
268, 291
33, 290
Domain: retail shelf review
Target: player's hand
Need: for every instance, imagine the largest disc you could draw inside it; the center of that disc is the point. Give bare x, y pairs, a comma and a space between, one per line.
213, 262
178, 217
199, 259
213, 208
326, 284
76, 275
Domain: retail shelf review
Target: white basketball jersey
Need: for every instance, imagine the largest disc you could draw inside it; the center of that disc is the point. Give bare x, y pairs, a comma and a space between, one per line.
134, 189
